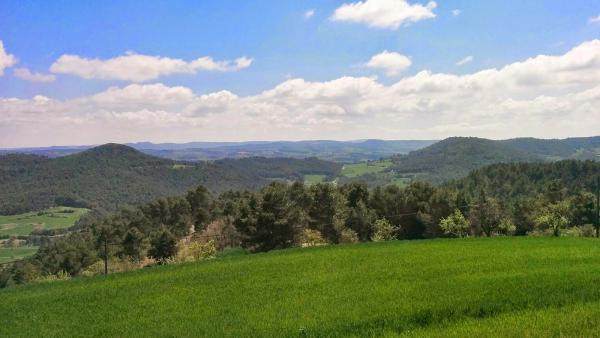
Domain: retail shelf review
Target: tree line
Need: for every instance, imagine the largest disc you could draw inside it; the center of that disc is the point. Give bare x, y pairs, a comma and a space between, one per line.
549, 199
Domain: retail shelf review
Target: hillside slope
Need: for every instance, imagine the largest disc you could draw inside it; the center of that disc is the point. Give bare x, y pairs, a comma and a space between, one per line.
455, 157
489, 286
111, 175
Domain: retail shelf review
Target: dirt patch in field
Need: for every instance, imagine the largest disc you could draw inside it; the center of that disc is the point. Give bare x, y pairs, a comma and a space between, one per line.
8, 226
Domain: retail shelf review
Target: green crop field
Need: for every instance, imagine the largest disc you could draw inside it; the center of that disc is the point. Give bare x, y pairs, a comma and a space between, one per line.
314, 179
513, 287
15, 254
359, 169
52, 218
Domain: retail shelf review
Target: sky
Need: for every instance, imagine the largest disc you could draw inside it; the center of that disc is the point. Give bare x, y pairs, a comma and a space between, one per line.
83, 72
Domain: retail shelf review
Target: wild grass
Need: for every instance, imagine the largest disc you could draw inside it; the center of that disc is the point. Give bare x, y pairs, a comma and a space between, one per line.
463, 287
15, 254
52, 218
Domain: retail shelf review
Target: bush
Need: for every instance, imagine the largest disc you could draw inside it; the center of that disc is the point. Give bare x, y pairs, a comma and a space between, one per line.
61, 275
455, 224
383, 230
195, 251
348, 236
310, 237
506, 227
586, 230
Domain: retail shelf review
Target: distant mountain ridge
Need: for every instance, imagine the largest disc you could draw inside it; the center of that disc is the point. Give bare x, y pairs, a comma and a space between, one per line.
338, 151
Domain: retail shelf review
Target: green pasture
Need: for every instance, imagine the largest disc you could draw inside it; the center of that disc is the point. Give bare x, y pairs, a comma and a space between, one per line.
509, 287
52, 218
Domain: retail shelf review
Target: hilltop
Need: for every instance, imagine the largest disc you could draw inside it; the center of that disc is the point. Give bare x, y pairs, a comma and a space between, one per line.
106, 176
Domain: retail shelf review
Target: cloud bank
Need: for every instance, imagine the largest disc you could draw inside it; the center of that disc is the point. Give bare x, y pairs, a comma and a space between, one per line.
141, 68
543, 96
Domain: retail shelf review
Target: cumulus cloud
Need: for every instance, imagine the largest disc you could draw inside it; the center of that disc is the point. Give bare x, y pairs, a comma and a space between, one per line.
27, 75
391, 63
543, 96
309, 13
389, 14
6, 60
141, 68
594, 19
465, 60
456, 12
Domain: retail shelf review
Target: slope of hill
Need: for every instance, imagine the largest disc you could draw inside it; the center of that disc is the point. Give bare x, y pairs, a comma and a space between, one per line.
108, 175
490, 287
455, 157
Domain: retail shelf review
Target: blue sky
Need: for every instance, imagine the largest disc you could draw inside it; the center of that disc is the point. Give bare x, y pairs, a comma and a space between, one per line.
282, 42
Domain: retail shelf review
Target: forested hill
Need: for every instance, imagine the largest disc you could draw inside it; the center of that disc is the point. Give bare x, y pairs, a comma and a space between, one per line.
507, 181
110, 175
455, 157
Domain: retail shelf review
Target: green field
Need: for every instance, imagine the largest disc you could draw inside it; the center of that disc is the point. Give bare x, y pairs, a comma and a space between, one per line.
53, 218
15, 254
363, 168
314, 179
472, 287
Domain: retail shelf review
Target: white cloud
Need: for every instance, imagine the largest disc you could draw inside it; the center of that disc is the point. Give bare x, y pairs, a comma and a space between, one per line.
391, 63
594, 19
389, 14
27, 75
456, 12
309, 13
543, 96
465, 60
140, 68
6, 60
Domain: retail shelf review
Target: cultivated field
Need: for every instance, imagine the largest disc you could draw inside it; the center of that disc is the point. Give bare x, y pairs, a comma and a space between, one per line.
363, 168
52, 218
463, 287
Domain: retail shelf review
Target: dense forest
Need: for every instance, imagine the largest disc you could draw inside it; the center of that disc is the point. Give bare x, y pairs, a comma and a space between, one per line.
543, 199
109, 176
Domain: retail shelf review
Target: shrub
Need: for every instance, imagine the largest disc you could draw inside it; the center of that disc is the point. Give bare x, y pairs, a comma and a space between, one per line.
455, 224
61, 275
310, 237
348, 236
383, 230
195, 251
586, 230
506, 227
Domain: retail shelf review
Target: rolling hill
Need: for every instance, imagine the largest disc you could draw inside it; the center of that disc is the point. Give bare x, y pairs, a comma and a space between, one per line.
110, 175
455, 157
510, 287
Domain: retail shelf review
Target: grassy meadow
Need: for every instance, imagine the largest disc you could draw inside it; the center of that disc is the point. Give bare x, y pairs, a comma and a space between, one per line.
52, 218
363, 168
464, 287
15, 254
